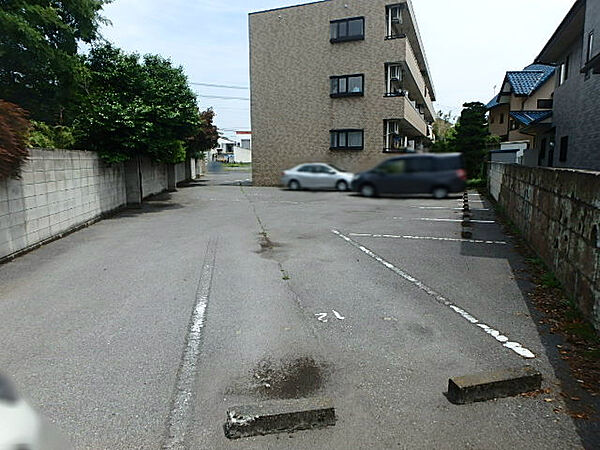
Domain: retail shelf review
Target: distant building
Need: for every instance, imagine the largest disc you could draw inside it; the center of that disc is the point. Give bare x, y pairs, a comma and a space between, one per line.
230, 151
345, 82
244, 139
525, 98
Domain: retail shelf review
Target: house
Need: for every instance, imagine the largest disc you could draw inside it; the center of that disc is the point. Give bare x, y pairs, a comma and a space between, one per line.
244, 139
339, 81
230, 151
573, 139
525, 98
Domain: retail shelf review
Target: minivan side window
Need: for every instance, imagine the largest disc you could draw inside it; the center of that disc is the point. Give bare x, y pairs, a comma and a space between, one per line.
448, 163
393, 167
422, 164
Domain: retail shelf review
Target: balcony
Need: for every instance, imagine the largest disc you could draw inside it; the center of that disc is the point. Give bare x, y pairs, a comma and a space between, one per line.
395, 19
404, 79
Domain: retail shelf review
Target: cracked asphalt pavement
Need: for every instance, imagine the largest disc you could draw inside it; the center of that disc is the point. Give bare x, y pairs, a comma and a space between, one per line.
96, 326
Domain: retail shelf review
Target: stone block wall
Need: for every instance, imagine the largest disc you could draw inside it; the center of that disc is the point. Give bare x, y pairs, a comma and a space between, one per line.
558, 212
57, 191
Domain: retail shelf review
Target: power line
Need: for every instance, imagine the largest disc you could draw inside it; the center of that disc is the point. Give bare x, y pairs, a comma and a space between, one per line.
224, 86
223, 97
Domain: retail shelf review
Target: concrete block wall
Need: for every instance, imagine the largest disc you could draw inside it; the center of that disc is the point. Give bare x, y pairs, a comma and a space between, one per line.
154, 177
558, 212
58, 190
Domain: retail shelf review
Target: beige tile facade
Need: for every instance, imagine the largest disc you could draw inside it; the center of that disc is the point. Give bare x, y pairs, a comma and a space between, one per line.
291, 62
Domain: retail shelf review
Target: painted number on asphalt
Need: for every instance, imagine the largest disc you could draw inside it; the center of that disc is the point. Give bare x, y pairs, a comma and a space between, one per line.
323, 317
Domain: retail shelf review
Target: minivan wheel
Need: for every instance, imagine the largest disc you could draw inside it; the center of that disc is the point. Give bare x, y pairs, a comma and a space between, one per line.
440, 192
294, 185
341, 185
367, 190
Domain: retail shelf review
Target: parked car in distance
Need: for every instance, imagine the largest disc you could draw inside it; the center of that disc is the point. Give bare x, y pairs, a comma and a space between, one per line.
316, 176
438, 174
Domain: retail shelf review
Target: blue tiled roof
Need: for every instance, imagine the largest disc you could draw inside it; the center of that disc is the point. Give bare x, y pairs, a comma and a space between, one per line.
528, 80
493, 103
529, 117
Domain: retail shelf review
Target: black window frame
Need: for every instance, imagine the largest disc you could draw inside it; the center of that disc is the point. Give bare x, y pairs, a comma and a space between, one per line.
347, 79
564, 148
347, 37
589, 46
545, 101
345, 131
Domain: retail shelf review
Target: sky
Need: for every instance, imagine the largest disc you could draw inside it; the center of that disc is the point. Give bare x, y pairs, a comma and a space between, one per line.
469, 44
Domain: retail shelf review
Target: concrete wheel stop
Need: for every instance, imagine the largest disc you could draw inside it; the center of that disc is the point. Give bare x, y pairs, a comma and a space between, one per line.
484, 386
282, 416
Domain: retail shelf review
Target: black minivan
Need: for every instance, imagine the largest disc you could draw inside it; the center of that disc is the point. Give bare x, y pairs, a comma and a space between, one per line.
425, 173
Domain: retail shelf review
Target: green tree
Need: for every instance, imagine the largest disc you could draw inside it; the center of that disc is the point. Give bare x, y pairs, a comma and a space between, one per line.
136, 107
208, 136
39, 66
444, 132
472, 135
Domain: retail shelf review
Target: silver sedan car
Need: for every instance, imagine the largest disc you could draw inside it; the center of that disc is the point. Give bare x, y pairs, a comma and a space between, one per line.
317, 176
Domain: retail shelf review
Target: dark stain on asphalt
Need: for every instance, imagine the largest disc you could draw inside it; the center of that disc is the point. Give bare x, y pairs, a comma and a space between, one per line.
266, 244
285, 379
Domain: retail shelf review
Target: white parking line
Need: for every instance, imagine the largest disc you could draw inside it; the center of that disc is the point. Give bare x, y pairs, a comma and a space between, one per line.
446, 207
427, 238
504, 340
181, 412
426, 219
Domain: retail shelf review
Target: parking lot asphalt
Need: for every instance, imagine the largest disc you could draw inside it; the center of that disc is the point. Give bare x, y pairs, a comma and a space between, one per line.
309, 294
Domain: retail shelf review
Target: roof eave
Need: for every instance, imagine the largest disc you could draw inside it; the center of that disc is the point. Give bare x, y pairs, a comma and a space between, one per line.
574, 20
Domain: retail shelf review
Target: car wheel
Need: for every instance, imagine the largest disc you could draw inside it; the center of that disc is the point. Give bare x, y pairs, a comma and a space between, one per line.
367, 190
440, 192
294, 185
341, 185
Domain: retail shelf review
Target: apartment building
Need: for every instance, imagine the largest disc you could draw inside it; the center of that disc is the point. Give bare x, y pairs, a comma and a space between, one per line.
338, 81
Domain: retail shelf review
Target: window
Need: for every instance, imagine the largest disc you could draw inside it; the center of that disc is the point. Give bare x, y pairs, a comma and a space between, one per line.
394, 166
395, 139
564, 148
545, 103
346, 139
492, 118
563, 72
347, 85
321, 169
394, 76
590, 47
347, 29
501, 118
420, 164
307, 168
245, 144
394, 19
